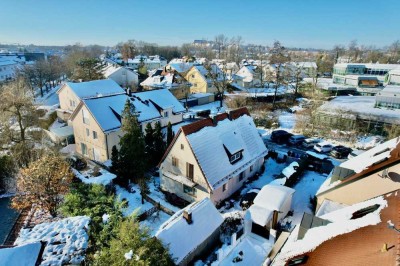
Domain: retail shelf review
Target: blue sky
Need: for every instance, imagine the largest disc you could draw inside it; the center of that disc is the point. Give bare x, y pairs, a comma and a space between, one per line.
296, 23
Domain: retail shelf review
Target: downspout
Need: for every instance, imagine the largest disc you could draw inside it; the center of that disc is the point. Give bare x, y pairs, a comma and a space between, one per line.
107, 146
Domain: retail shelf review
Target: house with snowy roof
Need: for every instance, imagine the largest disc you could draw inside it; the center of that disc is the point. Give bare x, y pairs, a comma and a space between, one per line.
271, 205
70, 94
8, 69
192, 231
212, 157
200, 78
358, 234
247, 77
123, 76
368, 175
27, 254
97, 121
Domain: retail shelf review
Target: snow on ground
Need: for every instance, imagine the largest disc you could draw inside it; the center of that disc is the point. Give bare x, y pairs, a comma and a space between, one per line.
306, 188
50, 98
134, 200
69, 149
214, 107
365, 143
104, 178
67, 240
287, 121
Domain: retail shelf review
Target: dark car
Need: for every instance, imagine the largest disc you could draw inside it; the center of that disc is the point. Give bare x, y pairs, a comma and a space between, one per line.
280, 136
340, 152
76, 162
247, 199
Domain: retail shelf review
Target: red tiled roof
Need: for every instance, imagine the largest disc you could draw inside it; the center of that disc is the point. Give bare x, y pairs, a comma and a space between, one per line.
196, 126
234, 114
363, 246
221, 117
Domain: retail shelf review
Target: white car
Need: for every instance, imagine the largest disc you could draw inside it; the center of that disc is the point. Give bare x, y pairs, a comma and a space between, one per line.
310, 142
323, 147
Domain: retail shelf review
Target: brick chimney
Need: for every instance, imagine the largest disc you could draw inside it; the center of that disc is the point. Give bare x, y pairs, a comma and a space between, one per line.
187, 216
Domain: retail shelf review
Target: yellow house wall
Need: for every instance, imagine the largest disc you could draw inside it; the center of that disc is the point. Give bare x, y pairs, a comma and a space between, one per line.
369, 187
66, 95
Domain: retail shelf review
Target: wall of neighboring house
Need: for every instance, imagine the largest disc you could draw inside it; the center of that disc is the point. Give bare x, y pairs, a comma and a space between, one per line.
68, 102
197, 80
183, 153
363, 189
124, 78
233, 184
89, 134
169, 116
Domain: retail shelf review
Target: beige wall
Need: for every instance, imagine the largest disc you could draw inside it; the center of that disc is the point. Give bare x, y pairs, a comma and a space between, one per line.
98, 145
184, 156
68, 97
198, 81
363, 189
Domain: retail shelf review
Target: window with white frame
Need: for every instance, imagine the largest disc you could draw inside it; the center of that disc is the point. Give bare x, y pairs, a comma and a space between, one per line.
87, 132
94, 134
85, 117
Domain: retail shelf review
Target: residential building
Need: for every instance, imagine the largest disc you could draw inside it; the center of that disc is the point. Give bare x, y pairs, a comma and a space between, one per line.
358, 234
393, 77
308, 69
200, 78
247, 77
70, 94
212, 157
150, 62
368, 175
121, 75
97, 121
191, 231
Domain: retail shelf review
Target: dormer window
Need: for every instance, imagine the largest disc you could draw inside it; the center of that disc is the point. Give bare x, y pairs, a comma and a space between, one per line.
235, 157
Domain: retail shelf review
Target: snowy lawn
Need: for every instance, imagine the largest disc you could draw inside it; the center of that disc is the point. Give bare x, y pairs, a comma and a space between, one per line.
134, 200
306, 188
157, 195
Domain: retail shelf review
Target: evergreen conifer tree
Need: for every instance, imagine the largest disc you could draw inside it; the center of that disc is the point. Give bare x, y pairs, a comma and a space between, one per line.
170, 133
159, 143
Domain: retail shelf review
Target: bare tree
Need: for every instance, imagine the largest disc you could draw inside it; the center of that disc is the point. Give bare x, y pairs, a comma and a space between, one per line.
278, 57
219, 80
128, 50
220, 42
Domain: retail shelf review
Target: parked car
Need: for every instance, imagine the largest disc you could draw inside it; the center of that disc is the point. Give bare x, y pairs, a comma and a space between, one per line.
247, 199
323, 147
340, 152
280, 136
310, 142
76, 162
296, 139
354, 153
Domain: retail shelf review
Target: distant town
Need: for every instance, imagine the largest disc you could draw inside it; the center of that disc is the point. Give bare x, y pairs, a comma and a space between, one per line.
215, 152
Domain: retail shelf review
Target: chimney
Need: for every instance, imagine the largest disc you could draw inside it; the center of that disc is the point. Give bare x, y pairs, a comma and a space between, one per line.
230, 114
187, 216
128, 91
214, 119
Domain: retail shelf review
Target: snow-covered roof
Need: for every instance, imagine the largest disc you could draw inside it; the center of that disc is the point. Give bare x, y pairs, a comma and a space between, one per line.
107, 110
20, 255
7, 62
341, 223
260, 215
95, 88
328, 206
390, 90
163, 98
208, 147
273, 197
182, 237
67, 240
363, 106
369, 65
181, 67
290, 170
370, 157
104, 178
305, 64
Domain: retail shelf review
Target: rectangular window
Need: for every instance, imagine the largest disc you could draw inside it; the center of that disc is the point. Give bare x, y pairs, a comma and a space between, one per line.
223, 187
166, 114
94, 134
241, 176
251, 168
235, 157
70, 103
85, 117
189, 190
189, 171
182, 146
84, 148
175, 161
87, 132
